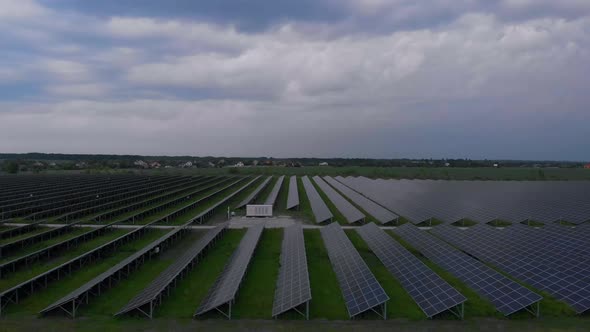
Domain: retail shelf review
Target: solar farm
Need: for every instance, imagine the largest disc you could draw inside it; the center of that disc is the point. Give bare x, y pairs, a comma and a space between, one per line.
142, 248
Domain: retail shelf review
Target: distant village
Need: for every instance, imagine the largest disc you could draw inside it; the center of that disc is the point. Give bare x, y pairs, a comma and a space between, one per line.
38, 162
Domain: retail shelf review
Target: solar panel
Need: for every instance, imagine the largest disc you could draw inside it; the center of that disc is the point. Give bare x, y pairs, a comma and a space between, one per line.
293, 195
480, 201
23, 289
255, 193
293, 287
272, 197
381, 214
506, 295
320, 210
225, 288
432, 293
146, 301
349, 211
360, 289
546, 258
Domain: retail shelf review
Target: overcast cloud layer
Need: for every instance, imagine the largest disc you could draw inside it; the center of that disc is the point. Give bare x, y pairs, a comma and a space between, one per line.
331, 78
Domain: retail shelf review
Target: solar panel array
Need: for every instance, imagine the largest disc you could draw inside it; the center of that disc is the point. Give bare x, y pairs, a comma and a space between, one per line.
293, 287
272, 197
548, 259
349, 211
432, 293
360, 289
480, 201
26, 288
96, 282
320, 210
226, 286
255, 193
293, 194
149, 295
506, 295
381, 214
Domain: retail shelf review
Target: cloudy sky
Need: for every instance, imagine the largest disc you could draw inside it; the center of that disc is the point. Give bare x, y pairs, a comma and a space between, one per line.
325, 78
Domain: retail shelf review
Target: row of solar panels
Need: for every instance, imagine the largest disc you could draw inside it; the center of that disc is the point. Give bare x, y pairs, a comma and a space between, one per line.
40, 187
480, 201
539, 255
188, 190
14, 294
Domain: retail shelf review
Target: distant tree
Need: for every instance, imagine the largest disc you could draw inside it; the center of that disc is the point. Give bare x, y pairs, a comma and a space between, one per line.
10, 167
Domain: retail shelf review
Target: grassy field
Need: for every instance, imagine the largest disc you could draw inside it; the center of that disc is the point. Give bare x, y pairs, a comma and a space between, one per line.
58, 289
115, 298
327, 301
102, 324
184, 299
446, 173
256, 294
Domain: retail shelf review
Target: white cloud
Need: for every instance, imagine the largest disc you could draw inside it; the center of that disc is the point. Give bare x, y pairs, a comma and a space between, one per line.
21, 9
66, 70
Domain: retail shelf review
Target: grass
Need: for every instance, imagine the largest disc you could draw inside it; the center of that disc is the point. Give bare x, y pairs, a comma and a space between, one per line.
256, 295
400, 304
58, 289
115, 298
75, 231
327, 301
476, 306
187, 295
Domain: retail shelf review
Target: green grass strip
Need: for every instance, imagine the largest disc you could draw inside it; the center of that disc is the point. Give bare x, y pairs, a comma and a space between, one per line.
115, 298
256, 295
190, 291
327, 301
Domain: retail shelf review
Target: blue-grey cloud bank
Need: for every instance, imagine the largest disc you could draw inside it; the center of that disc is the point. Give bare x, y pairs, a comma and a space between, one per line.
500, 79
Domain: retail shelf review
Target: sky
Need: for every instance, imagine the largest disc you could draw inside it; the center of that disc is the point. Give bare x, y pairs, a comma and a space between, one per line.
495, 79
